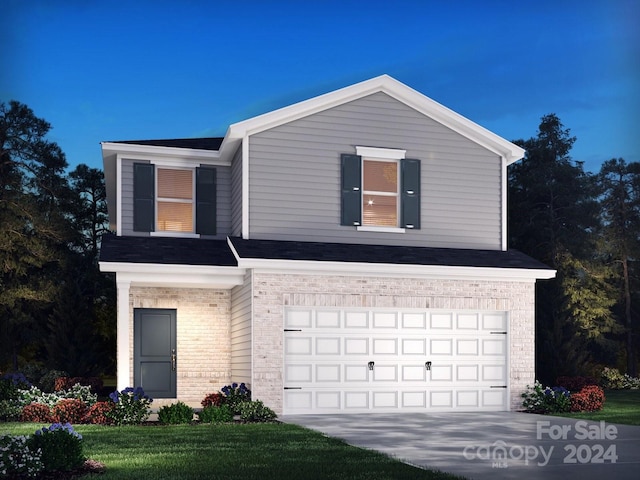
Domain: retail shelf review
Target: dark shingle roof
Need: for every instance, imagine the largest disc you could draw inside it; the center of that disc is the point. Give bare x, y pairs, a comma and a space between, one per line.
212, 143
400, 255
166, 250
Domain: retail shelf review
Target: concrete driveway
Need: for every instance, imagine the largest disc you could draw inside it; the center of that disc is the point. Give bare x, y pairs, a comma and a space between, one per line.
492, 445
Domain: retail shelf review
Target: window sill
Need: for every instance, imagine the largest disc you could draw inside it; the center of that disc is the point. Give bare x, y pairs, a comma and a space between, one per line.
174, 234
381, 229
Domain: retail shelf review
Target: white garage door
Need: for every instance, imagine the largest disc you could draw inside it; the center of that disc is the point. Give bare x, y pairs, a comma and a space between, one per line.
358, 360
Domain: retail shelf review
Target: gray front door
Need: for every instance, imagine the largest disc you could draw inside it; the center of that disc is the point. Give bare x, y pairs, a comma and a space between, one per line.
154, 351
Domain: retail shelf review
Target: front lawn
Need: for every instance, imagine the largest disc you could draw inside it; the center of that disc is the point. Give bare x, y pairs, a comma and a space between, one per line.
230, 451
620, 406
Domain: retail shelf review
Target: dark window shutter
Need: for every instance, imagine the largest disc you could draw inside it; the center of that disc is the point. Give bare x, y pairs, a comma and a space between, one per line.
143, 197
351, 207
206, 201
410, 185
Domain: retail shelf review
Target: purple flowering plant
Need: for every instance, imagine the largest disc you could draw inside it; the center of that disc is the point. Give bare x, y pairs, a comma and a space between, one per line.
60, 446
132, 406
234, 395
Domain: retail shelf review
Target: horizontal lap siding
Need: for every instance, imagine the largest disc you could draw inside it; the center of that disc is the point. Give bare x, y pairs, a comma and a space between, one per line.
294, 177
236, 193
241, 332
127, 198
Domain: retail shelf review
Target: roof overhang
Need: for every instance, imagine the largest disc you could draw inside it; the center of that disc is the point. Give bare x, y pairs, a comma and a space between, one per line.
176, 276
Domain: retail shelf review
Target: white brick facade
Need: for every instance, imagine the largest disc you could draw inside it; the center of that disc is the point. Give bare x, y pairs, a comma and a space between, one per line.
272, 292
203, 338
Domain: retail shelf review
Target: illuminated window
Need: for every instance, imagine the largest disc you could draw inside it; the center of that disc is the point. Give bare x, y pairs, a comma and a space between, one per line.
380, 193
175, 200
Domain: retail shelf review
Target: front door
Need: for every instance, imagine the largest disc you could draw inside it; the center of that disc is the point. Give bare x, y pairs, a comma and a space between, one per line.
154, 351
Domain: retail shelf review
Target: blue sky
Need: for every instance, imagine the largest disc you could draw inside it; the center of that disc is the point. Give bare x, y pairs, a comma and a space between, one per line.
118, 70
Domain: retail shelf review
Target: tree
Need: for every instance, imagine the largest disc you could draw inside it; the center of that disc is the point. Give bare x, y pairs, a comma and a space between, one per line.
619, 183
552, 214
34, 229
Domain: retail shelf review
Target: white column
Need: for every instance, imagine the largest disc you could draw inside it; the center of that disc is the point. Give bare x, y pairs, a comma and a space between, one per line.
123, 360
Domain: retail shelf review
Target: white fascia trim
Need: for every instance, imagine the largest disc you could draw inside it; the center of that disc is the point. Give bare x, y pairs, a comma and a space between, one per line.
503, 203
245, 187
133, 151
394, 270
376, 152
118, 195
178, 276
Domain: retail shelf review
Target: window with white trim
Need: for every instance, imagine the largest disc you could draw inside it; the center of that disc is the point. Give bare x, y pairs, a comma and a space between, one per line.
380, 190
174, 200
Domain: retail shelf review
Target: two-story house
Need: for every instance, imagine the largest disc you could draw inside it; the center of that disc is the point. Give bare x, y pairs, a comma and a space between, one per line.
344, 254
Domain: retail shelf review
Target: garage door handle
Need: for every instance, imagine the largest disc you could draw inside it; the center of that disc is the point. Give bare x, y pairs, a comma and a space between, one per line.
371, 364
427, 365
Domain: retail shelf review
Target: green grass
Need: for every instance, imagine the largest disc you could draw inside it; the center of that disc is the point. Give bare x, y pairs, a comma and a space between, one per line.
620, 406
230, 451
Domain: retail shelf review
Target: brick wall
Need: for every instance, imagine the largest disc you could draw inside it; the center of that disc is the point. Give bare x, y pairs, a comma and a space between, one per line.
203, 338
272, 292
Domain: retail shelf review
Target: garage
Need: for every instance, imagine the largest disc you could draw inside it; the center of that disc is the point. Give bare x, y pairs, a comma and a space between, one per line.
384, 360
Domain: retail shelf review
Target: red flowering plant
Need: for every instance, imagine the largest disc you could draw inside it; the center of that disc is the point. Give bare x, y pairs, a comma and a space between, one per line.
70, 410
36, 412
98, 414
213, 399
589, 399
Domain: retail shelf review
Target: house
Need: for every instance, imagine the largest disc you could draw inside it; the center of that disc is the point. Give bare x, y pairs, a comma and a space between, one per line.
344, 254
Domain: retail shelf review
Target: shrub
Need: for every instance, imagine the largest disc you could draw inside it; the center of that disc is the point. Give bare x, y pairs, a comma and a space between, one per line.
612, 379
131, 406
575, 384
17, 380
36, 412
235, 394
61, 447
81, 392
66, 383
47, 381
540, 399
98, 413
216, 414
17, 460
175, 414
70, 410
10, 410
35, 395
213, 399
589, 399
255, 411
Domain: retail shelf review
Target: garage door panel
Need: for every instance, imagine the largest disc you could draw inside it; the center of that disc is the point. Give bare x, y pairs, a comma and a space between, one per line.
298, 319
494, 373
413, 346
467, 398
328, 373
385, 400
467, 321
328, 345
441, 346
441, 321
328, 319
414, 399
467, 346
441, 399
495, 346
441, 373
356, 346
328, 400
385, 373
413, 373
495, 322
356, 399
414, 321
385, 346
385, 320
356, 373
298, 345
356, 320
298, 400
467, 373
298, 373
494, 398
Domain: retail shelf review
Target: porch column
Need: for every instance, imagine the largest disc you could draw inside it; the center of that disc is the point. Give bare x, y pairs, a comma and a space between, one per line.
123, 335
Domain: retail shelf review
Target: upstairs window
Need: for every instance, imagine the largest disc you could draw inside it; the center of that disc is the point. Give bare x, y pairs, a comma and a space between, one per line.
380, 190
173, 200
380, 193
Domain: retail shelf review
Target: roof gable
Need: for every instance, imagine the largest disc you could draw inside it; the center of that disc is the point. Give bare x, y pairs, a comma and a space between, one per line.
385, 84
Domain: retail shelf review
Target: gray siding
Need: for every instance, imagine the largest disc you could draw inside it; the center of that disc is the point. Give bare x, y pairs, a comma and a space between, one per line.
294, 177
236, 193
126, 221
223, 200
241, 331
